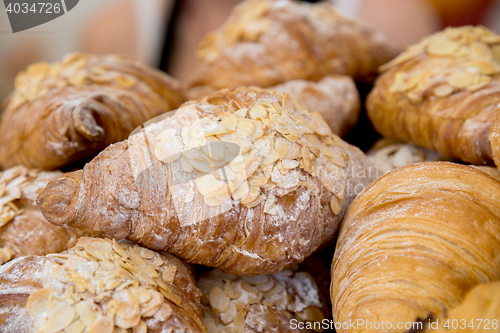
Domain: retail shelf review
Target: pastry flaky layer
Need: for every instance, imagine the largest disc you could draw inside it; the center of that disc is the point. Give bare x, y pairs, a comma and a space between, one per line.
414, 243
99, 286
70, 110
267, 42
23, 229
443, 94
242, 180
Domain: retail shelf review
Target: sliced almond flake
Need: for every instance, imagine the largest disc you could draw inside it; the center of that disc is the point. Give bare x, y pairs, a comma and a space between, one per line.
443, 90
335, 205
442, 47
75, 327
168, 275
218, 299
102, 325
481, 51
164, 313
140, 328
59, 319
460, 79
37, 301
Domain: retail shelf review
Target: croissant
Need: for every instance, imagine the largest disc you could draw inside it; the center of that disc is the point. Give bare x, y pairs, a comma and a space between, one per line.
336, 98
23, 229
288, 301
442, 94
100, 286
242, 180
413, 243
479, 312
266, 42
70, 110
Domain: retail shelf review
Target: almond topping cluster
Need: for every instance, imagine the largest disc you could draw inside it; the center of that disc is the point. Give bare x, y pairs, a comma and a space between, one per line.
38, 79
227, 299
468, 56
108, 288
11, 183
244, 154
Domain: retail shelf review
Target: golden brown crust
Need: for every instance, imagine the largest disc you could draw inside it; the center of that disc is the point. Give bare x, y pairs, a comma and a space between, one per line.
265, 43
415, 242
442, 94
23, 229
335, 97
70, 110
274, 210
479, 312
102, 285
264, 303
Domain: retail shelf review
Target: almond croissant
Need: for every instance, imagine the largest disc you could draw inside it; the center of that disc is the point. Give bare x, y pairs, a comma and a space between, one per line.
23, 229
71, 110
268, 42
413, 243
442, 94
242, 181
99, 286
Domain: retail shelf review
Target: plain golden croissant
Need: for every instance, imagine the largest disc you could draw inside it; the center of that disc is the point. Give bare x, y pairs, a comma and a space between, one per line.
288, 301
267, 42
335, 97
413, 243
442, 94
479, 312
242, 180
71, 110
99, 286
23, 229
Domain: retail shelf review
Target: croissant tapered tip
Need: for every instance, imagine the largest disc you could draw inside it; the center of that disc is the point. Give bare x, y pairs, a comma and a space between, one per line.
55, 201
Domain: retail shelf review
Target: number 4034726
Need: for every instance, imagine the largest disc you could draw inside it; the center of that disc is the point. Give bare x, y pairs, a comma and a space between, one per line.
39, 8
484, 324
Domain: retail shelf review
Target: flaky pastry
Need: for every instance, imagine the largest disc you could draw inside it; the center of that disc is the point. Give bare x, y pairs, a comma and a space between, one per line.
413, 243
267, 42
99, 286
71, 110
242, 180
442, 94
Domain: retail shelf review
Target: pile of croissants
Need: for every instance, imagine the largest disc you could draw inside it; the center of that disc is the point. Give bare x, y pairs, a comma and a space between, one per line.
218, 217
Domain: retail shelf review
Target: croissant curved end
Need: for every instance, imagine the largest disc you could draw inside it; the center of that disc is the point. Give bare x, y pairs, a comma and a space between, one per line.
55, 200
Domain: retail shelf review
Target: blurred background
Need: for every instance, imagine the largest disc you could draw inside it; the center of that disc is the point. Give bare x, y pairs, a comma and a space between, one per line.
165, 33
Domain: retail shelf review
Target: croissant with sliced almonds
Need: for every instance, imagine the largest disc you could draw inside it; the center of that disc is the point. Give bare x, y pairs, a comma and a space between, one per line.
414, 243
242, 180
99, 286
70, 110
23, 229
442, 94
266, 42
